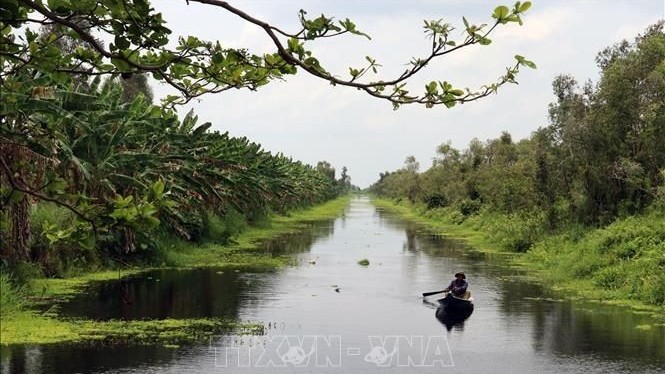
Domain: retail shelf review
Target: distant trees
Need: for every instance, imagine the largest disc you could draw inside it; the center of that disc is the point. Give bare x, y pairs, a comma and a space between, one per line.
602, 156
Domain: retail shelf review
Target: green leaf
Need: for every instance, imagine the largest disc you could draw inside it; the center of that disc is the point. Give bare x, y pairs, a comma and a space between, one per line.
218, 58
158, 189
431, 87
121, 65
529, 64
87, 241
152, 221
524, 7
500, 12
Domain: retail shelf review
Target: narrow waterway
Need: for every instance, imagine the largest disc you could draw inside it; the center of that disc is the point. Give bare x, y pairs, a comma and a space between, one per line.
328, 314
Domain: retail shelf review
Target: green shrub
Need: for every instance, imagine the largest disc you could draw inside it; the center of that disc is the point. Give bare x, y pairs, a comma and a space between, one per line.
65, 254
610, 278
468, 207
46, 212
585, 266
221, 229
436, 201
657, 294
516, 232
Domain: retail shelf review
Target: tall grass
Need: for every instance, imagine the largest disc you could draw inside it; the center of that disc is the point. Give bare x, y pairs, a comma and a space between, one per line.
221, 229
12, 297
625, 259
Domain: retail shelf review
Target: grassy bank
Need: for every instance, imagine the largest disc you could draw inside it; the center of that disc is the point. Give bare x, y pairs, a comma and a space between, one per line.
242, 251
21, 324
623, 263
476, 239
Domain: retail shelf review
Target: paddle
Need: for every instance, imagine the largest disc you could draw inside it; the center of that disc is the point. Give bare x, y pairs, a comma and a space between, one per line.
425, 294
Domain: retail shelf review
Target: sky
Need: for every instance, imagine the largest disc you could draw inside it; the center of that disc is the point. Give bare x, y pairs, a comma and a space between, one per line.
307, 119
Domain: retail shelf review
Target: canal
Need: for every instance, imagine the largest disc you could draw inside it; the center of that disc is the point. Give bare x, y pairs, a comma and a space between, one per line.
329, 314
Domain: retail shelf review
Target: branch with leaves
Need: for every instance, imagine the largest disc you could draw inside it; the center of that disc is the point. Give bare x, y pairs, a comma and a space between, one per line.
196, 67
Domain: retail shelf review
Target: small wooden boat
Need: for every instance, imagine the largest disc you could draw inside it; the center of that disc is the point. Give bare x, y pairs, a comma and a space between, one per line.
453, 304
453, 310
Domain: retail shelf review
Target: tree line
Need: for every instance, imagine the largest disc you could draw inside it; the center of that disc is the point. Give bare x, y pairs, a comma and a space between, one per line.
113, 170
601, 157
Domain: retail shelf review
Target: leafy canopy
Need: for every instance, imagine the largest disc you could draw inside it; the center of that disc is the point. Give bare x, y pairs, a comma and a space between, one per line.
142, 43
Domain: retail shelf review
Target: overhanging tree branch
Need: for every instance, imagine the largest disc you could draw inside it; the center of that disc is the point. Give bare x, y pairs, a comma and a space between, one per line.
198, 67
22, 188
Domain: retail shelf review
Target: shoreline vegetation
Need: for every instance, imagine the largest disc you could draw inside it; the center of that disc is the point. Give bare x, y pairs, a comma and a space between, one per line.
23, 324
580, 202
556, 261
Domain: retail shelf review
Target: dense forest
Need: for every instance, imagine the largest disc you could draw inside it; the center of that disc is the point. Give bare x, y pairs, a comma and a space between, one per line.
600, 163
102, 169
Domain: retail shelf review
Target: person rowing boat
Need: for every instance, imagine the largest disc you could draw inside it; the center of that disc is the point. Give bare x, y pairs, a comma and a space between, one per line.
458, 287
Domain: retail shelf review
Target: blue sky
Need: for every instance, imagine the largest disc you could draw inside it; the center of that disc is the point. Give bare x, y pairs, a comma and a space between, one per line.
310, 120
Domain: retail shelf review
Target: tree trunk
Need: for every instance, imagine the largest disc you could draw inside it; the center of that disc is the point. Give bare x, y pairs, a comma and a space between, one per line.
20, 230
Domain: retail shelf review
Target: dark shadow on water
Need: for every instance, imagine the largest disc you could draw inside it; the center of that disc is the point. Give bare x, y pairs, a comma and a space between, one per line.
159, 294
300, 241
449, 316
80, 358
191, 293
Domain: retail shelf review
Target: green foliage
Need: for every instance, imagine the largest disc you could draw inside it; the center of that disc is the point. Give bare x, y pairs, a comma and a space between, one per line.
468, 207
516, 232
627, 257
12, 297
114, 171
583, 196
221, 229
436, 201
612, 278
600, 158
142, 44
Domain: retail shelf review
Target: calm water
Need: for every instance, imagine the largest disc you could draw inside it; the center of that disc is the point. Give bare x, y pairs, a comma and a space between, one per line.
331, 315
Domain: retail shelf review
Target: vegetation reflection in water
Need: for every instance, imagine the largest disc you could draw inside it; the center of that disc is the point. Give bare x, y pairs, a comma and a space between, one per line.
569, 330
147, 315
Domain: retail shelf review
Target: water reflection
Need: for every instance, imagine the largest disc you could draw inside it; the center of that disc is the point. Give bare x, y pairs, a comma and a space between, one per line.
558, 327
302, 240
514, 322
164, 294
449, 319
80, 358
159, 294
197, 293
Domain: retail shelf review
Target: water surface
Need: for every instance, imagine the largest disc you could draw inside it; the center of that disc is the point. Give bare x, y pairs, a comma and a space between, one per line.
330, 315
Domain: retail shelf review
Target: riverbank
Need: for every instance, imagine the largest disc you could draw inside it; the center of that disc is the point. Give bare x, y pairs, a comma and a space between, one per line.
22, 324
621, 264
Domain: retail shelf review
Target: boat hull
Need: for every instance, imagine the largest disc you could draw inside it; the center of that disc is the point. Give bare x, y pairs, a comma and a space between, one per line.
453, 311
